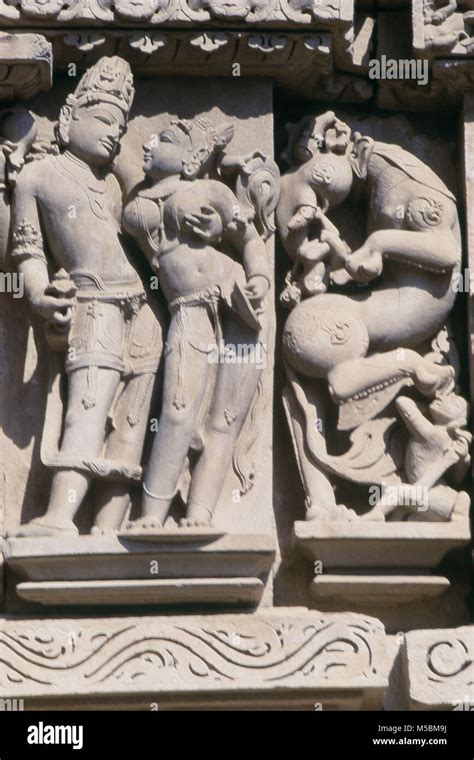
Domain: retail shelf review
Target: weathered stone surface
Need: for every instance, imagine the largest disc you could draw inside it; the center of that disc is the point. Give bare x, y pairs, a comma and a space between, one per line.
382, 589
442, 30
26, 65
190, 12
468, 192
141, 469
168, 568
279, 658
390, 545
379, 361
227, 592
439, 669
359, 346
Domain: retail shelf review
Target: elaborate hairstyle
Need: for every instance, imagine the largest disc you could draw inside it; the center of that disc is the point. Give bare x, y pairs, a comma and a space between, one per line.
207, 142
318, 125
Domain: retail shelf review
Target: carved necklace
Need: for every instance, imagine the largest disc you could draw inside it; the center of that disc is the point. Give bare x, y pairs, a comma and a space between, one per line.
95, 189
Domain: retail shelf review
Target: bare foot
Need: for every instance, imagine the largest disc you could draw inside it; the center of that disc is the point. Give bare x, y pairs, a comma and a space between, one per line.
329, 514
99, 531
431, 378
145, 523
187, 523
41, 526
375, 515
197, 516
461, 507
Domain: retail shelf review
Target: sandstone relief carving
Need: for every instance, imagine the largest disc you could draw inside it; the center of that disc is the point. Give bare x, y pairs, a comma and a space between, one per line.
160, 11
66, 244
440, 669
26, 65
201, 217
189, 226
372, 396
198, 653
448, 27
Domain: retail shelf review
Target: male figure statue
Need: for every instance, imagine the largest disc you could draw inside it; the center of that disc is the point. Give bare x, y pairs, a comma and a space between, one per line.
66, 217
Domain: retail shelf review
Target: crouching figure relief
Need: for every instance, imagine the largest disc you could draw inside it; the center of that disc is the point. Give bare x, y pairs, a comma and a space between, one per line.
372, 396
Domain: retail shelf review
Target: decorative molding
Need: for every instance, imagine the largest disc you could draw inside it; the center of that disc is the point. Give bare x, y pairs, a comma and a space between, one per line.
440, 669
26, 65
172, 567
183, 12
314, 64
279, 655
450, 81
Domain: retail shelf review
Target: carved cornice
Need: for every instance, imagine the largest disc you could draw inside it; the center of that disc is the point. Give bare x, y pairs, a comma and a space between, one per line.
189, 13
314, 64
450, 80
26, 65
191, 658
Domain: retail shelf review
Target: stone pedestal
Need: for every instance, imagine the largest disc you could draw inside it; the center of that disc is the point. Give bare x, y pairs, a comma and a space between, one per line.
173, 568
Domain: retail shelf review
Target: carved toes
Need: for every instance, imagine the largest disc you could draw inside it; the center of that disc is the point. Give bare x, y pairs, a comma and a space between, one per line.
188, 523
145, 523
40, 527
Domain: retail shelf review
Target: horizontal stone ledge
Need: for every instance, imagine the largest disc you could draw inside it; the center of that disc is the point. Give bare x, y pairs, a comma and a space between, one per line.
180, 554
363, 544
387, 589
266, 657
169, 567
222, 591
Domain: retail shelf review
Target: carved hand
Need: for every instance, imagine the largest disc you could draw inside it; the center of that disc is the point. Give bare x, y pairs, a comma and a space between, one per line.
56, 310
245, 160
206, 224
437, 18
257, 288
365, 265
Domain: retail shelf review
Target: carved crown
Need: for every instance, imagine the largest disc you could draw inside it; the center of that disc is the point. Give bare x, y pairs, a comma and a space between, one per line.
110, 80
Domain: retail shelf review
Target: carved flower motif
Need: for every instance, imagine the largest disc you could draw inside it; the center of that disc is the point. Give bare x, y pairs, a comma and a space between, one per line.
230, 9
148, 43
210, 42
42, 7
140, 9
267, 43
84, 42
338, 332
424, 212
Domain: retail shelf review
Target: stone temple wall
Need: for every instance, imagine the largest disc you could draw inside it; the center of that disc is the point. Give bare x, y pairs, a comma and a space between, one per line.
236, 320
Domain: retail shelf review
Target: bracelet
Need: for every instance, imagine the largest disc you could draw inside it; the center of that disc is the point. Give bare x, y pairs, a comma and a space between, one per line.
260, 274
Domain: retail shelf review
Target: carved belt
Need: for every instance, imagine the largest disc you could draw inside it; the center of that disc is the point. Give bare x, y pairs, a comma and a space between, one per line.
91, 287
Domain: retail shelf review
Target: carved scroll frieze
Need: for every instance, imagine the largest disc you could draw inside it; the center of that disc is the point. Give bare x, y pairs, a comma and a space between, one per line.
194, 657
186, 12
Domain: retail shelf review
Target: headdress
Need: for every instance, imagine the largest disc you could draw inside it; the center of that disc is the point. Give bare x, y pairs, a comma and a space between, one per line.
110, 80
206, 141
